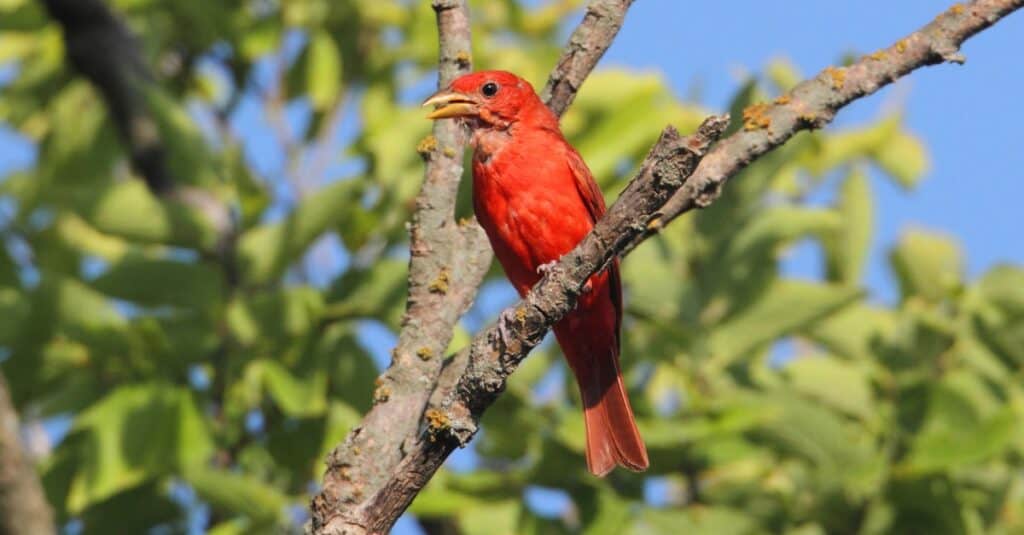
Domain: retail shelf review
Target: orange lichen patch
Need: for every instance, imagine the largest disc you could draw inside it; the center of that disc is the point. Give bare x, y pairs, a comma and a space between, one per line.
427, 146
838, 76
654, 225
425, 353
463, 57
437, 421
521, 315
877, 55
449, 152
901, 46
381, 394
440, 284
783, 100
957, 9
810, 119
755, 117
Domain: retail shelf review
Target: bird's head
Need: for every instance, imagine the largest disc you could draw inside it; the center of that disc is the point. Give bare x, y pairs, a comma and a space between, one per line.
492, 97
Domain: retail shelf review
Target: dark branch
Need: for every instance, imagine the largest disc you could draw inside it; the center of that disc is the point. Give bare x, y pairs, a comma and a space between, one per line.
587, 44
447, 264
23, 505
103, 50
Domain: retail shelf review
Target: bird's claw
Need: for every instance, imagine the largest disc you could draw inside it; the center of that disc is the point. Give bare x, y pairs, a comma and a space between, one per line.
546, 267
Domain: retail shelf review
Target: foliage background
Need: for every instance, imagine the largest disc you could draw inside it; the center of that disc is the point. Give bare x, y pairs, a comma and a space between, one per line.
788, 377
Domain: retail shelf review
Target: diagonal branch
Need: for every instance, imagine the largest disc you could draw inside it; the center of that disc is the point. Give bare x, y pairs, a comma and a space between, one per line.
447, 264
23, 505
675, 171
588, 43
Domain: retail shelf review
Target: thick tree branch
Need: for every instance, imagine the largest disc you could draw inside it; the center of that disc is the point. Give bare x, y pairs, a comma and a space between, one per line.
674, 172
587, 44
23, 505
447, 264
100, 47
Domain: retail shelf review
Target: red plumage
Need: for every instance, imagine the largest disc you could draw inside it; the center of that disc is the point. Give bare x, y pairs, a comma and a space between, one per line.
536, 199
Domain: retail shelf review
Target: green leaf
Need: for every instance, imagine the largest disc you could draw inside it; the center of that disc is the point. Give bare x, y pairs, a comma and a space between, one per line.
902, 157
157, 283
236, 493
130, 211
928, 265
296, 396
714, 520
848, 245
134, 434
490, 518
851, 332
786, 307
323, 71
957, 432
838, 384
777, 226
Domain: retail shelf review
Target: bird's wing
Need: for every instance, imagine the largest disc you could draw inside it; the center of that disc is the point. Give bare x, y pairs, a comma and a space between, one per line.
593, 199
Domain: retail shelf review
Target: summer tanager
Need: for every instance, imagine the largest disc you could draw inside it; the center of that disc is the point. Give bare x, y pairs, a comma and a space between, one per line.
536, 199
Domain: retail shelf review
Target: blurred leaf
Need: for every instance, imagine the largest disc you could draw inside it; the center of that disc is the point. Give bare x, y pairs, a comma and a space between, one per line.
785, 308
238, 494
134, 434
838, 384
161, 283
694, 521
847, 246
323, 71
296, 396
902, 157
928, 265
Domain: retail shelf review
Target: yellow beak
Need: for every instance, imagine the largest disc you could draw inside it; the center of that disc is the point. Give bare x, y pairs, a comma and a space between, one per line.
451, 104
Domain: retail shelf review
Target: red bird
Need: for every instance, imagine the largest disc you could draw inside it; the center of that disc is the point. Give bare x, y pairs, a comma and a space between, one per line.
536, 199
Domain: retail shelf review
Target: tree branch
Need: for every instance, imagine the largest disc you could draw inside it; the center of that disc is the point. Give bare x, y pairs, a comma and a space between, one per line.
673, 179
588, 43
447, 264
23, 505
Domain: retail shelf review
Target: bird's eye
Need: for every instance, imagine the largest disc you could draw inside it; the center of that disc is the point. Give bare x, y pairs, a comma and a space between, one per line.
489, 89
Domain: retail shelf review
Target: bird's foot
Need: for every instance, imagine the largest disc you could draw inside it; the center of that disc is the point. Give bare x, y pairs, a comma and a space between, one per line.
546, 267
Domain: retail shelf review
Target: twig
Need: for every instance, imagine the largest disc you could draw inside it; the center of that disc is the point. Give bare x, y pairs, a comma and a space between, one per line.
587, 44
23, 505
447, 264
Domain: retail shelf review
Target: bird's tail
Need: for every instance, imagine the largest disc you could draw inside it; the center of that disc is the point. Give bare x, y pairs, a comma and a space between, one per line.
612, 436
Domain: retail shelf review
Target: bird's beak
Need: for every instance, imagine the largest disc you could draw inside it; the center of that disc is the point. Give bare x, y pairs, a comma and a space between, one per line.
451, 104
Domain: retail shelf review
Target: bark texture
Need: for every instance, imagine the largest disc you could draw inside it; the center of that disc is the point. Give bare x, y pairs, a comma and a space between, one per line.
23, 505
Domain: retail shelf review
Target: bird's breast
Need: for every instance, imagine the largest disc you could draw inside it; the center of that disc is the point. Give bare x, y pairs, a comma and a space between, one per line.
526, 199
